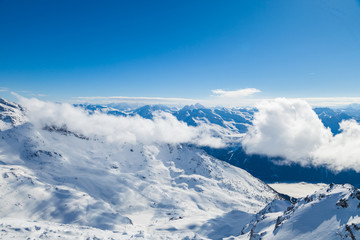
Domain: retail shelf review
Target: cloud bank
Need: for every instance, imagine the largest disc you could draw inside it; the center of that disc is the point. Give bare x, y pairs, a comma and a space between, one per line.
235, 94
164, 128
219, 97
147, 100
290, 129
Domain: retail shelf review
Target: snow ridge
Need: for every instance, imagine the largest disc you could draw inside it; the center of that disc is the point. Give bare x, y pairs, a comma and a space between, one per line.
330, 213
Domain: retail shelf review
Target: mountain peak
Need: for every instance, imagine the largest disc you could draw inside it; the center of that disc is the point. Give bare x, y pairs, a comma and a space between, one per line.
194, 106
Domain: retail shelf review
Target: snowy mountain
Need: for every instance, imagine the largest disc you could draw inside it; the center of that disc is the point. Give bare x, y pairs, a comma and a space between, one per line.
59, 183
331, 213
11, 115
236, 122
234, 119
352, 110
331, 118
91, 108
148, 110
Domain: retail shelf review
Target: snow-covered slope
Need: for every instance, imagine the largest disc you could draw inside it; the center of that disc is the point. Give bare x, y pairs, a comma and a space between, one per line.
54, 183
11, 114
297, 190
331, 213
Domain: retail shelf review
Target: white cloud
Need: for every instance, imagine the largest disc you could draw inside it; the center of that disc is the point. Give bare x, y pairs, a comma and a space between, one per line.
220, 98
286, 128
332, 101
343, 150
164, 128
4, 89
235, 94
289, 128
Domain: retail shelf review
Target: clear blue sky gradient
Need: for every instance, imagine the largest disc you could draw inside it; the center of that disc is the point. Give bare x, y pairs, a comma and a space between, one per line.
285, 48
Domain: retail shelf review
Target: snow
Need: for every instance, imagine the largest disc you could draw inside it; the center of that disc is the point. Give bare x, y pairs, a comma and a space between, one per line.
60, 184
297, 190
330, 213
73, 186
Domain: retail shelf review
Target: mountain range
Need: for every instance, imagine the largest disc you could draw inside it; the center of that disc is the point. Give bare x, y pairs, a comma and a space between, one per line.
58, 183
237, 121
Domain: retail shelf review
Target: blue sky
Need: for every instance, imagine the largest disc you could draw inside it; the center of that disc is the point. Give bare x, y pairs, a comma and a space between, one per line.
60, 50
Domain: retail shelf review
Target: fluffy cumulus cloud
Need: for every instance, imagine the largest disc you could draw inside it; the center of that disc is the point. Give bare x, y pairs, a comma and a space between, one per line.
291, 129
235, 94
164, 128
343, 150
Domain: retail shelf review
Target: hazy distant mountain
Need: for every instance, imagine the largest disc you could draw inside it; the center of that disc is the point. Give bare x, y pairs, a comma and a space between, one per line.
353, 110
331, 118
148, 110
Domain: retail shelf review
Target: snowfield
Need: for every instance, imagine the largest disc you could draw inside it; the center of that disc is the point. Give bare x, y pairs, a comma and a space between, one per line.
297, 190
